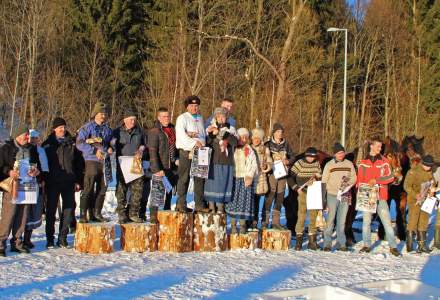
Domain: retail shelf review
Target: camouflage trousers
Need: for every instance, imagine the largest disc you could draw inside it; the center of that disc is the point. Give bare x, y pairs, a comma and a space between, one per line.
129, 207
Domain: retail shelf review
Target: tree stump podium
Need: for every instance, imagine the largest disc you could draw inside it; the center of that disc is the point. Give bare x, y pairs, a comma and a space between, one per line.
175, 231
210, 232
139, 237
250, 240
276, 240
94, 238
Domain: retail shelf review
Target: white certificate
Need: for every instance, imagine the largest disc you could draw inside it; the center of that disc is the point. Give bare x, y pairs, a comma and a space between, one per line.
203, 156
314, 195
279, 169
125, 162
429, 204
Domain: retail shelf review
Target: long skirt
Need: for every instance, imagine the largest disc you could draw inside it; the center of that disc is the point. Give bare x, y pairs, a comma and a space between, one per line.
218, 186
34, 219
242, 205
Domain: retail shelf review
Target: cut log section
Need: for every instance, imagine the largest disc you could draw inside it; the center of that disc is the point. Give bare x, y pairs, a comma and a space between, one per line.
139, 237
250, 240
276, 240
210, 232
94, 238
175, 231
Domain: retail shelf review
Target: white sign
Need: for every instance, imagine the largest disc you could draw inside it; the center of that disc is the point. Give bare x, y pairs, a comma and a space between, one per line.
429, 204
279, 169
314, 195
125, 162
203, 156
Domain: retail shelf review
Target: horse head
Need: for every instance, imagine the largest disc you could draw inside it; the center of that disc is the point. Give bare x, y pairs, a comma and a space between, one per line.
412, 146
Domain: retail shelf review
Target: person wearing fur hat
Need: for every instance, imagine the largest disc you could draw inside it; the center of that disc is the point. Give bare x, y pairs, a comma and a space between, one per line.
221, 139
63, 179
190, 135
280, 150
304, 172
93, 141
241, 208
418, 220
264, 161
339, 176
130, 140
14, 216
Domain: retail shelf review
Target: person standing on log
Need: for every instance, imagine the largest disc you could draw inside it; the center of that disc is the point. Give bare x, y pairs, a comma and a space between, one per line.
227, 104
130, 140
190, 135
245, 178
164, 159
280, 150
93, 141
374, 170
62, 180
14, 216
339, 176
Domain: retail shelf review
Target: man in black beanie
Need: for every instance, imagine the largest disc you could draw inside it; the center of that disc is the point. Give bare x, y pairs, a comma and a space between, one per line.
62, 180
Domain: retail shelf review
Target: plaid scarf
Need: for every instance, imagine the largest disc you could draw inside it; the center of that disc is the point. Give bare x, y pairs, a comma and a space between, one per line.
171, 135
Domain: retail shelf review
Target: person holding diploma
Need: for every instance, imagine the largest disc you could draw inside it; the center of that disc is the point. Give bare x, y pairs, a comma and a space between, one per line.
163, 159
418, 220
130, 140
282, 157
339, 177
14, 216
304, 172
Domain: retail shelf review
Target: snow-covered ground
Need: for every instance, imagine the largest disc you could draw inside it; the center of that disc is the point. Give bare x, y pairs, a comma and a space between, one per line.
64, 273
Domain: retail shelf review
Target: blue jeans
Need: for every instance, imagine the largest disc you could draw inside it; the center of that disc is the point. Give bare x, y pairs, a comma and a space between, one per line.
384, 214
338, 210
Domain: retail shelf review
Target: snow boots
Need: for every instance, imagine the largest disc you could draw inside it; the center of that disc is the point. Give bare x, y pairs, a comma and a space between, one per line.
421, 242
409, 241
299, 242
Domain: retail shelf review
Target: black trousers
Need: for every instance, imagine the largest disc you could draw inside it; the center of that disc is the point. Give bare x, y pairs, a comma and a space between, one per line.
182, 184
93, 198
67, 192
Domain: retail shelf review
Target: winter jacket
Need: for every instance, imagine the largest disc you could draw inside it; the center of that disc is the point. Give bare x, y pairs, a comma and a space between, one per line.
8, 153
127, 142
245, 162
93, 130
376, 168
187, 123
279, 151
413, 181
302, 171
159, 149
218, 156
333, 173
65, 161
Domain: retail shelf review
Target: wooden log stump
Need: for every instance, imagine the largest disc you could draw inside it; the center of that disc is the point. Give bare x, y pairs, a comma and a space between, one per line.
175, 231
210, 232
250, 240
139, 237
94, 238
275, 239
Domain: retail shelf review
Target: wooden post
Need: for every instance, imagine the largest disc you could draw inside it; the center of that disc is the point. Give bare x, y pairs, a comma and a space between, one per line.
210, 232
139, 237
275, 239
250, 240
94, 238
175, 231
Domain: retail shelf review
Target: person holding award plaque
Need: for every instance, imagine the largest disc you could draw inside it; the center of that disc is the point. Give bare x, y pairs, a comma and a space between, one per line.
19, 167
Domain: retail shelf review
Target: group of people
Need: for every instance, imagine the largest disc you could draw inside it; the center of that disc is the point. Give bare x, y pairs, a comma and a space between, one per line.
227, 168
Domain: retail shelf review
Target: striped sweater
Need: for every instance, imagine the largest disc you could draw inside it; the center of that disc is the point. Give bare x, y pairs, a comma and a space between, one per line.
333, 174
303, 171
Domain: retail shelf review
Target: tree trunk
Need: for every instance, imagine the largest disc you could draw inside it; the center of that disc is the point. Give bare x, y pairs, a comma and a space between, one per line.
139, 237
175, 231
94, 238
250, 240
210, 232
275, 239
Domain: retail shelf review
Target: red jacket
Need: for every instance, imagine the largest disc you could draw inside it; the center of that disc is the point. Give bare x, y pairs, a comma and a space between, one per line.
379, 170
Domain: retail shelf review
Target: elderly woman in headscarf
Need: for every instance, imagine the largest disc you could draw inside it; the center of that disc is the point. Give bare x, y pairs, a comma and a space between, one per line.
222, 140
245, 178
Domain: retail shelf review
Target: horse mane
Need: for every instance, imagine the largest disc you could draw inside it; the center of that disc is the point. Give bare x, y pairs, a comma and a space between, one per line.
413, 142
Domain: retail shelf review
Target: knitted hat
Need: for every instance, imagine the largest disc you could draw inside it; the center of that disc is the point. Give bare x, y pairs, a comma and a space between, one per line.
58, 122
258, 132
220, 110
242, 132
19, 130
428, 161
277, 126
337, 147
99, 107
33, 133
311, 151
193, 99
129, 113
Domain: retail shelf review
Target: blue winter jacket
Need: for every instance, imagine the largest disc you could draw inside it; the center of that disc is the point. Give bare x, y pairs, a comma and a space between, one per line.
92, 130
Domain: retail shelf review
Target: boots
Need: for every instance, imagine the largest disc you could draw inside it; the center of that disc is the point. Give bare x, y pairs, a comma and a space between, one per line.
233, 226
242, 226
92, 217
153, 214
62, 242
83, 216
299, 242
312, 245
437, 238
276, 220
421, 242
265, 222
409, 241
134, 219
211, 207
395, 252
100, 217
27, 239
99, 204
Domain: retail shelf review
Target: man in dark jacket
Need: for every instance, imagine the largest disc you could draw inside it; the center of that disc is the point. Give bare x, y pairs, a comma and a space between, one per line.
63, 179
130, 140
163, 157
14, 216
